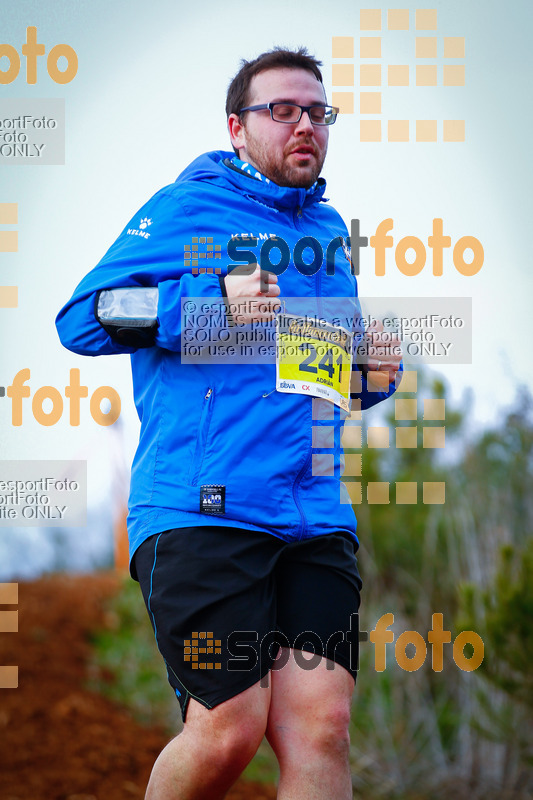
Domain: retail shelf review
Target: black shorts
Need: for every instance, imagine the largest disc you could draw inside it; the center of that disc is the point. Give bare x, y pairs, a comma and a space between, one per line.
223, 600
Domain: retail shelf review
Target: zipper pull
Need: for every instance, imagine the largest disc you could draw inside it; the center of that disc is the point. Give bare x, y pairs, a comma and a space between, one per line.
208, 395
299, 211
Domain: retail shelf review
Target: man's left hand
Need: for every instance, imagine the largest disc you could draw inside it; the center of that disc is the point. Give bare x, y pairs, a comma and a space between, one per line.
381, 352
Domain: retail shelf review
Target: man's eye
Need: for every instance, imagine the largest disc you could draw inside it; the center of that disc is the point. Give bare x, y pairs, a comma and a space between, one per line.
284, 111
318, 114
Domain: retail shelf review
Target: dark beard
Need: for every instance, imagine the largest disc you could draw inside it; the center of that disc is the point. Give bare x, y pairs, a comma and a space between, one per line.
291, 176
284, 175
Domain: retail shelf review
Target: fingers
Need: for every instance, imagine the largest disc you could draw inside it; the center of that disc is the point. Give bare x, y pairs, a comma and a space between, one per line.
385, 357
383, 350
390, 348
249, 280
243, 269
376, 326
273, 290
267, 282
246, 310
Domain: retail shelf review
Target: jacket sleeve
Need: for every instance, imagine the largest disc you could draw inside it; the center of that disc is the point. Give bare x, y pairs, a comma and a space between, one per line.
368, 396
149, 253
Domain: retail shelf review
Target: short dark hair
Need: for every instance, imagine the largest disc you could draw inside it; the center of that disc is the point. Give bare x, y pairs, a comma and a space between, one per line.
238, 91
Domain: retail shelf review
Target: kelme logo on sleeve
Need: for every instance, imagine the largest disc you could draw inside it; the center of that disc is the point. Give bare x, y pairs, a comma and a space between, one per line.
144, 223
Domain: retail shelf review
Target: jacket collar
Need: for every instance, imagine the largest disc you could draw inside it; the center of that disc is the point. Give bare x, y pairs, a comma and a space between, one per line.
216, 167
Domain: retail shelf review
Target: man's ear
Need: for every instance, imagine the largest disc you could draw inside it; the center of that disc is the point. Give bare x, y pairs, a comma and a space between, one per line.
236, 131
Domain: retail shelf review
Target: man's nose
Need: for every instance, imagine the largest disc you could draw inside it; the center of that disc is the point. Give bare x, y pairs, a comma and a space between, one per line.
304, 124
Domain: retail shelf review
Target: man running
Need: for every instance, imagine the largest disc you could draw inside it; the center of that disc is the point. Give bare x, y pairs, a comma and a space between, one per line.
233, 292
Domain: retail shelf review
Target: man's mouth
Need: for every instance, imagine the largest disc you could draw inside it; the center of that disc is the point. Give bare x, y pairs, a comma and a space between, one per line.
303, 152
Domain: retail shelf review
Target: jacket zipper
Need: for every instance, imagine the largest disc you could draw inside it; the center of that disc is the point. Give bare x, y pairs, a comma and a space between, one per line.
303, 520
201, 439
318, 286
303, 524
295, 486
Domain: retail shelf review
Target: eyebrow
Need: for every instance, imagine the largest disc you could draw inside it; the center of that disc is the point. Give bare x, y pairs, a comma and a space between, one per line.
286, 100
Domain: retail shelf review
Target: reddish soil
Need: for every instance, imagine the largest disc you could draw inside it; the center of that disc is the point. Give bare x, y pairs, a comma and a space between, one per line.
58, 740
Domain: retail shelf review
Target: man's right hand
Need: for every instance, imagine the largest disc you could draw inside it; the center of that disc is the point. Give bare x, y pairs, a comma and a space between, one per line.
252, 294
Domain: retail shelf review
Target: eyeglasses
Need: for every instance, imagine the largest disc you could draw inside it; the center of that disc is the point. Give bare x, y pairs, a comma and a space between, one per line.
292, 112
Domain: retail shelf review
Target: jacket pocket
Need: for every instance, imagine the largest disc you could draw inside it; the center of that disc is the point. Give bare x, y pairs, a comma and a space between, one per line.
201, 437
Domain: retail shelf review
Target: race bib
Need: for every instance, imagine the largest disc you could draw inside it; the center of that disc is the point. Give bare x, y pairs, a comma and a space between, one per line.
313, 357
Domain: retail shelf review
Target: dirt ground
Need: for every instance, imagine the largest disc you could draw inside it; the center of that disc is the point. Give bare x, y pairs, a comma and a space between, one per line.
58, 740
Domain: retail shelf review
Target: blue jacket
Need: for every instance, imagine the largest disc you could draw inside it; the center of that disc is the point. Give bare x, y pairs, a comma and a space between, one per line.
207, 421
